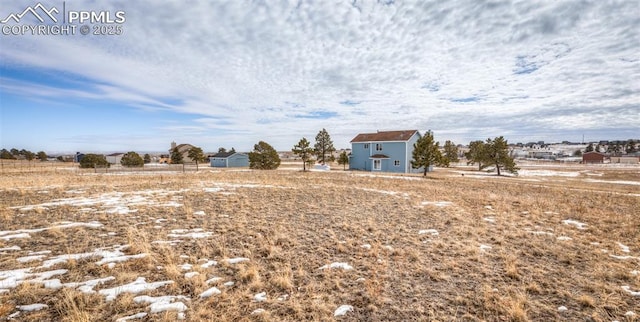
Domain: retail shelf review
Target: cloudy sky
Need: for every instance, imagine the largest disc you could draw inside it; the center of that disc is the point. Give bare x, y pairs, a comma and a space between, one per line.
231, 73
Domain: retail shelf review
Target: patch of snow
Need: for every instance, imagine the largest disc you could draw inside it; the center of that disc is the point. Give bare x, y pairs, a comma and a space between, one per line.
236, 260
210, 292
490, 219
431, 232
208, 264
562, 309
623, 247
132, 317
546, 173
137, 286
257, 311
53, 284
578, 224
344, 266
437, 203
199, 213
630, 314
342, 310
191, 275
283, 297
213, 280
32, 307
118, 259
564, 238
229, 283
87, 286
260, 297
488, 207
634, 183
186, 267
194, 233
43, 252
14, 236
485, 247
627, 289
635, 272
366, 246
159, 304
321, 167
624, 257
33, 258
10, 248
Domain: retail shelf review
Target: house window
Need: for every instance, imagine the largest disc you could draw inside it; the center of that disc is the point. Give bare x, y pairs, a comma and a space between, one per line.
366, 146
377, 164
396, 163
378, 146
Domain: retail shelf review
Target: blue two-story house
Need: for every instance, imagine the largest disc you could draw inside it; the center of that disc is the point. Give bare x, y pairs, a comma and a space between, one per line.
384, 151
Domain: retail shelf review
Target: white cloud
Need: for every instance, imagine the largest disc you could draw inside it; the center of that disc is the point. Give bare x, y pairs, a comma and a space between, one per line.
246, 69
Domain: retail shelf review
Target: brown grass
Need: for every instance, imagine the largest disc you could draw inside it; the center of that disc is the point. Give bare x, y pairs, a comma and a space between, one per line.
303, 221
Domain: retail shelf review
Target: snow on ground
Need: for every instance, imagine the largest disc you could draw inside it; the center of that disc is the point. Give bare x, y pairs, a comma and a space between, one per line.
578, 224
16, 248
24, 233
437, 203
387, 176
193, 233
236, 260
431, 232
342, 310
634, 183
137, 286
132, 317
386, 192
260, 297
623, 247
547, 173
159, 304
485, 247
257, 311
344, 266
32, 307
627, 289
210, 292
490, 219
564, 238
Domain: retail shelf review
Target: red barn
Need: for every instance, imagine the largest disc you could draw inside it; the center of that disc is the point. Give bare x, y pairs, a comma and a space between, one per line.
592, 157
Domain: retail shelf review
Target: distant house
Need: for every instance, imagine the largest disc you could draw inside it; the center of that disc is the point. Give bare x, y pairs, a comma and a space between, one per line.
78, 157
183, 149
229, 160
385, 151
592, 157
114, 158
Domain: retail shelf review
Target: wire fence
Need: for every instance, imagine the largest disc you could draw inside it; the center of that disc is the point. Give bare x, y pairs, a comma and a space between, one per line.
23, 166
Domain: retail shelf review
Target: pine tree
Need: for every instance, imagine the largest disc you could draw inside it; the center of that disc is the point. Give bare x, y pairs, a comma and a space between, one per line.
147, 158
222, 150
131, 159
630, 147
450, 153
324, 146
4, 154
304, 150
476, 154
264, 157
94, 160
28, 155
176, 156
196, 154
343, 159
498, 155
42, 156
426, 153
589, 148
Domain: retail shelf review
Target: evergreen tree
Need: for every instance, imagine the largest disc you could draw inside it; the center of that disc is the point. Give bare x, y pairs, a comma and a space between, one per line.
497, 153
450, 152
426, 153
304, 150
28, 155
577, 153
324, 146
233, 150
196, 154
15, 152
630, 147
94, 160
343, 159
147, 158
264, 157
476, 154
4, 154
176, 156
589, 148
132, 159
222, 150
42, 156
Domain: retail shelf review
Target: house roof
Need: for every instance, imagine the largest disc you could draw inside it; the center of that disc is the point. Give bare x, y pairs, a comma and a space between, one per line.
594, 152
223, 154
384, 136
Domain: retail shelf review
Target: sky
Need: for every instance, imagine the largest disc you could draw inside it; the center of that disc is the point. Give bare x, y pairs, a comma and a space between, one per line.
232, 73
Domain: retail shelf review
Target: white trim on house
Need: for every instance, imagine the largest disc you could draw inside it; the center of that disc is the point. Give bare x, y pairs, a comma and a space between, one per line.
373, 166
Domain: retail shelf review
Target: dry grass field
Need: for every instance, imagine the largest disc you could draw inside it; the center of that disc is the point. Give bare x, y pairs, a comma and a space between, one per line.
553, 244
